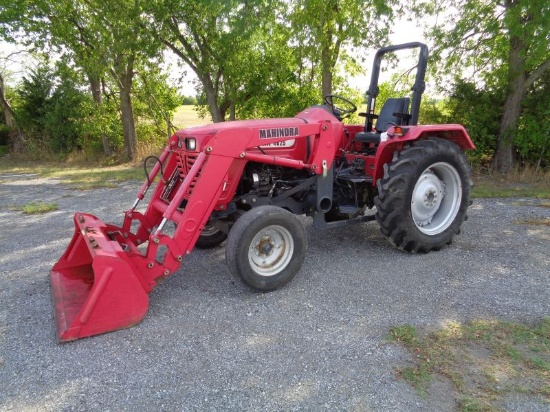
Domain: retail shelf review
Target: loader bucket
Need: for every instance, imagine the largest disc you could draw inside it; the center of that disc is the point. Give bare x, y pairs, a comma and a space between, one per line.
95, 286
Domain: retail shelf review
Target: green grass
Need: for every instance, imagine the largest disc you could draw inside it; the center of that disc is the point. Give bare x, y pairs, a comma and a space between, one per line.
484, 360
37, 208
32, 208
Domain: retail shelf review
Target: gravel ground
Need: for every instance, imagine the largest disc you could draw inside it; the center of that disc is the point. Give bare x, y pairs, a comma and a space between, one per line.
209, 343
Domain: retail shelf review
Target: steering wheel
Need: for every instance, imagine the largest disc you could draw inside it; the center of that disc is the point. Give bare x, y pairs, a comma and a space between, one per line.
339, 112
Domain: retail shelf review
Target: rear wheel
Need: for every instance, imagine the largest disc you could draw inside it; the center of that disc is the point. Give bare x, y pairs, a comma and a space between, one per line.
266, 247
424, 195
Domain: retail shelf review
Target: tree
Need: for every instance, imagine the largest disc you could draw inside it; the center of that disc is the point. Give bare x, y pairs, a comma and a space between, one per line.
328, 29
14, 132
104, 38
264, 57
480, 110
533, 135
108, 35
504, 44
15, 135
224, 43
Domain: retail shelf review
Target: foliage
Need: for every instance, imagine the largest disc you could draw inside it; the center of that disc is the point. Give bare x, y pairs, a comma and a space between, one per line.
67, 110
280, 92
154, 103
533, 134
189, 100
4, 134
324, 31
268, 58
106, 40
479, 110
34, 95
56, 113
501, 45
237, 56
59, 115
272, 58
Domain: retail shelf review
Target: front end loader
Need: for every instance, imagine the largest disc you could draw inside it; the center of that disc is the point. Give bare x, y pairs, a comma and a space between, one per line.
245, 182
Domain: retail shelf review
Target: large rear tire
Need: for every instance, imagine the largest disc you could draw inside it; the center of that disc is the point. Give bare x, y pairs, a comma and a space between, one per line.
266, 247
424, 195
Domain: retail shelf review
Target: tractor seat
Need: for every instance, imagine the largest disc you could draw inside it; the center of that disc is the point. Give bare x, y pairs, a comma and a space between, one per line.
395, 112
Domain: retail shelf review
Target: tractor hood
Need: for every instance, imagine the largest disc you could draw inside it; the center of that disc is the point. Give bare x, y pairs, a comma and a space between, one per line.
263, 128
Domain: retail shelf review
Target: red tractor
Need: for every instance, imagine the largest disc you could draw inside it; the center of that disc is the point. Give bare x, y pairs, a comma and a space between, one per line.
245, 182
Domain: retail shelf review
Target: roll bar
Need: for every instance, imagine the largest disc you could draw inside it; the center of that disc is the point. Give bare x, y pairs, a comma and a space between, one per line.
419, 84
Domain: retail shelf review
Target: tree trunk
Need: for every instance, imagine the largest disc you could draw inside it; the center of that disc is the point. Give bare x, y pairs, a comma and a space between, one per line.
6, 108
503, 159
331, 47
16, 136
212, 99
97, 95
326, 87
197, 62
327, 67
95, 86
127, 113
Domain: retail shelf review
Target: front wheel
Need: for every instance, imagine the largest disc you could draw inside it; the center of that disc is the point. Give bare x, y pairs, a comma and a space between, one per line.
266, 247
424, 195
210, 237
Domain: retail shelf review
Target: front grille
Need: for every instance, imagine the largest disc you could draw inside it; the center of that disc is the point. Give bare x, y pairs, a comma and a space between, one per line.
184, 163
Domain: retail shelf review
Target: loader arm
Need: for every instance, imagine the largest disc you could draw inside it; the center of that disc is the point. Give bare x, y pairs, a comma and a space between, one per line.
101, 283
227, 150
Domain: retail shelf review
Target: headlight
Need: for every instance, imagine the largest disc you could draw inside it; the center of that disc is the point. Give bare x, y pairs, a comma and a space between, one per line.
191, 144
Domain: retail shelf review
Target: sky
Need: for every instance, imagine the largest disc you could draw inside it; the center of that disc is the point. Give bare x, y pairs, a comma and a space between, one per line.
404, 32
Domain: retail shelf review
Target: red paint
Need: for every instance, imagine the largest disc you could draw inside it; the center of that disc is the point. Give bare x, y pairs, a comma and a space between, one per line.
102, 281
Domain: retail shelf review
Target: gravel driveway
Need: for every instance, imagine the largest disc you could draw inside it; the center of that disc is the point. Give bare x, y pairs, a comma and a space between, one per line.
209, 343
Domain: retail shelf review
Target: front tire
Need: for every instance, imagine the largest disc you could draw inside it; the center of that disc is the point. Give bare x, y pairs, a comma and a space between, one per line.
266, 247
210, 237
424, 195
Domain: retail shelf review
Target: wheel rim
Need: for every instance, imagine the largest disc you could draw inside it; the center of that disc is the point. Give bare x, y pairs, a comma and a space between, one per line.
271, 250
436, 198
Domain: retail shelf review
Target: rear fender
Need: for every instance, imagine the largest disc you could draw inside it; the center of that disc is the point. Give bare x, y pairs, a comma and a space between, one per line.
452, 132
